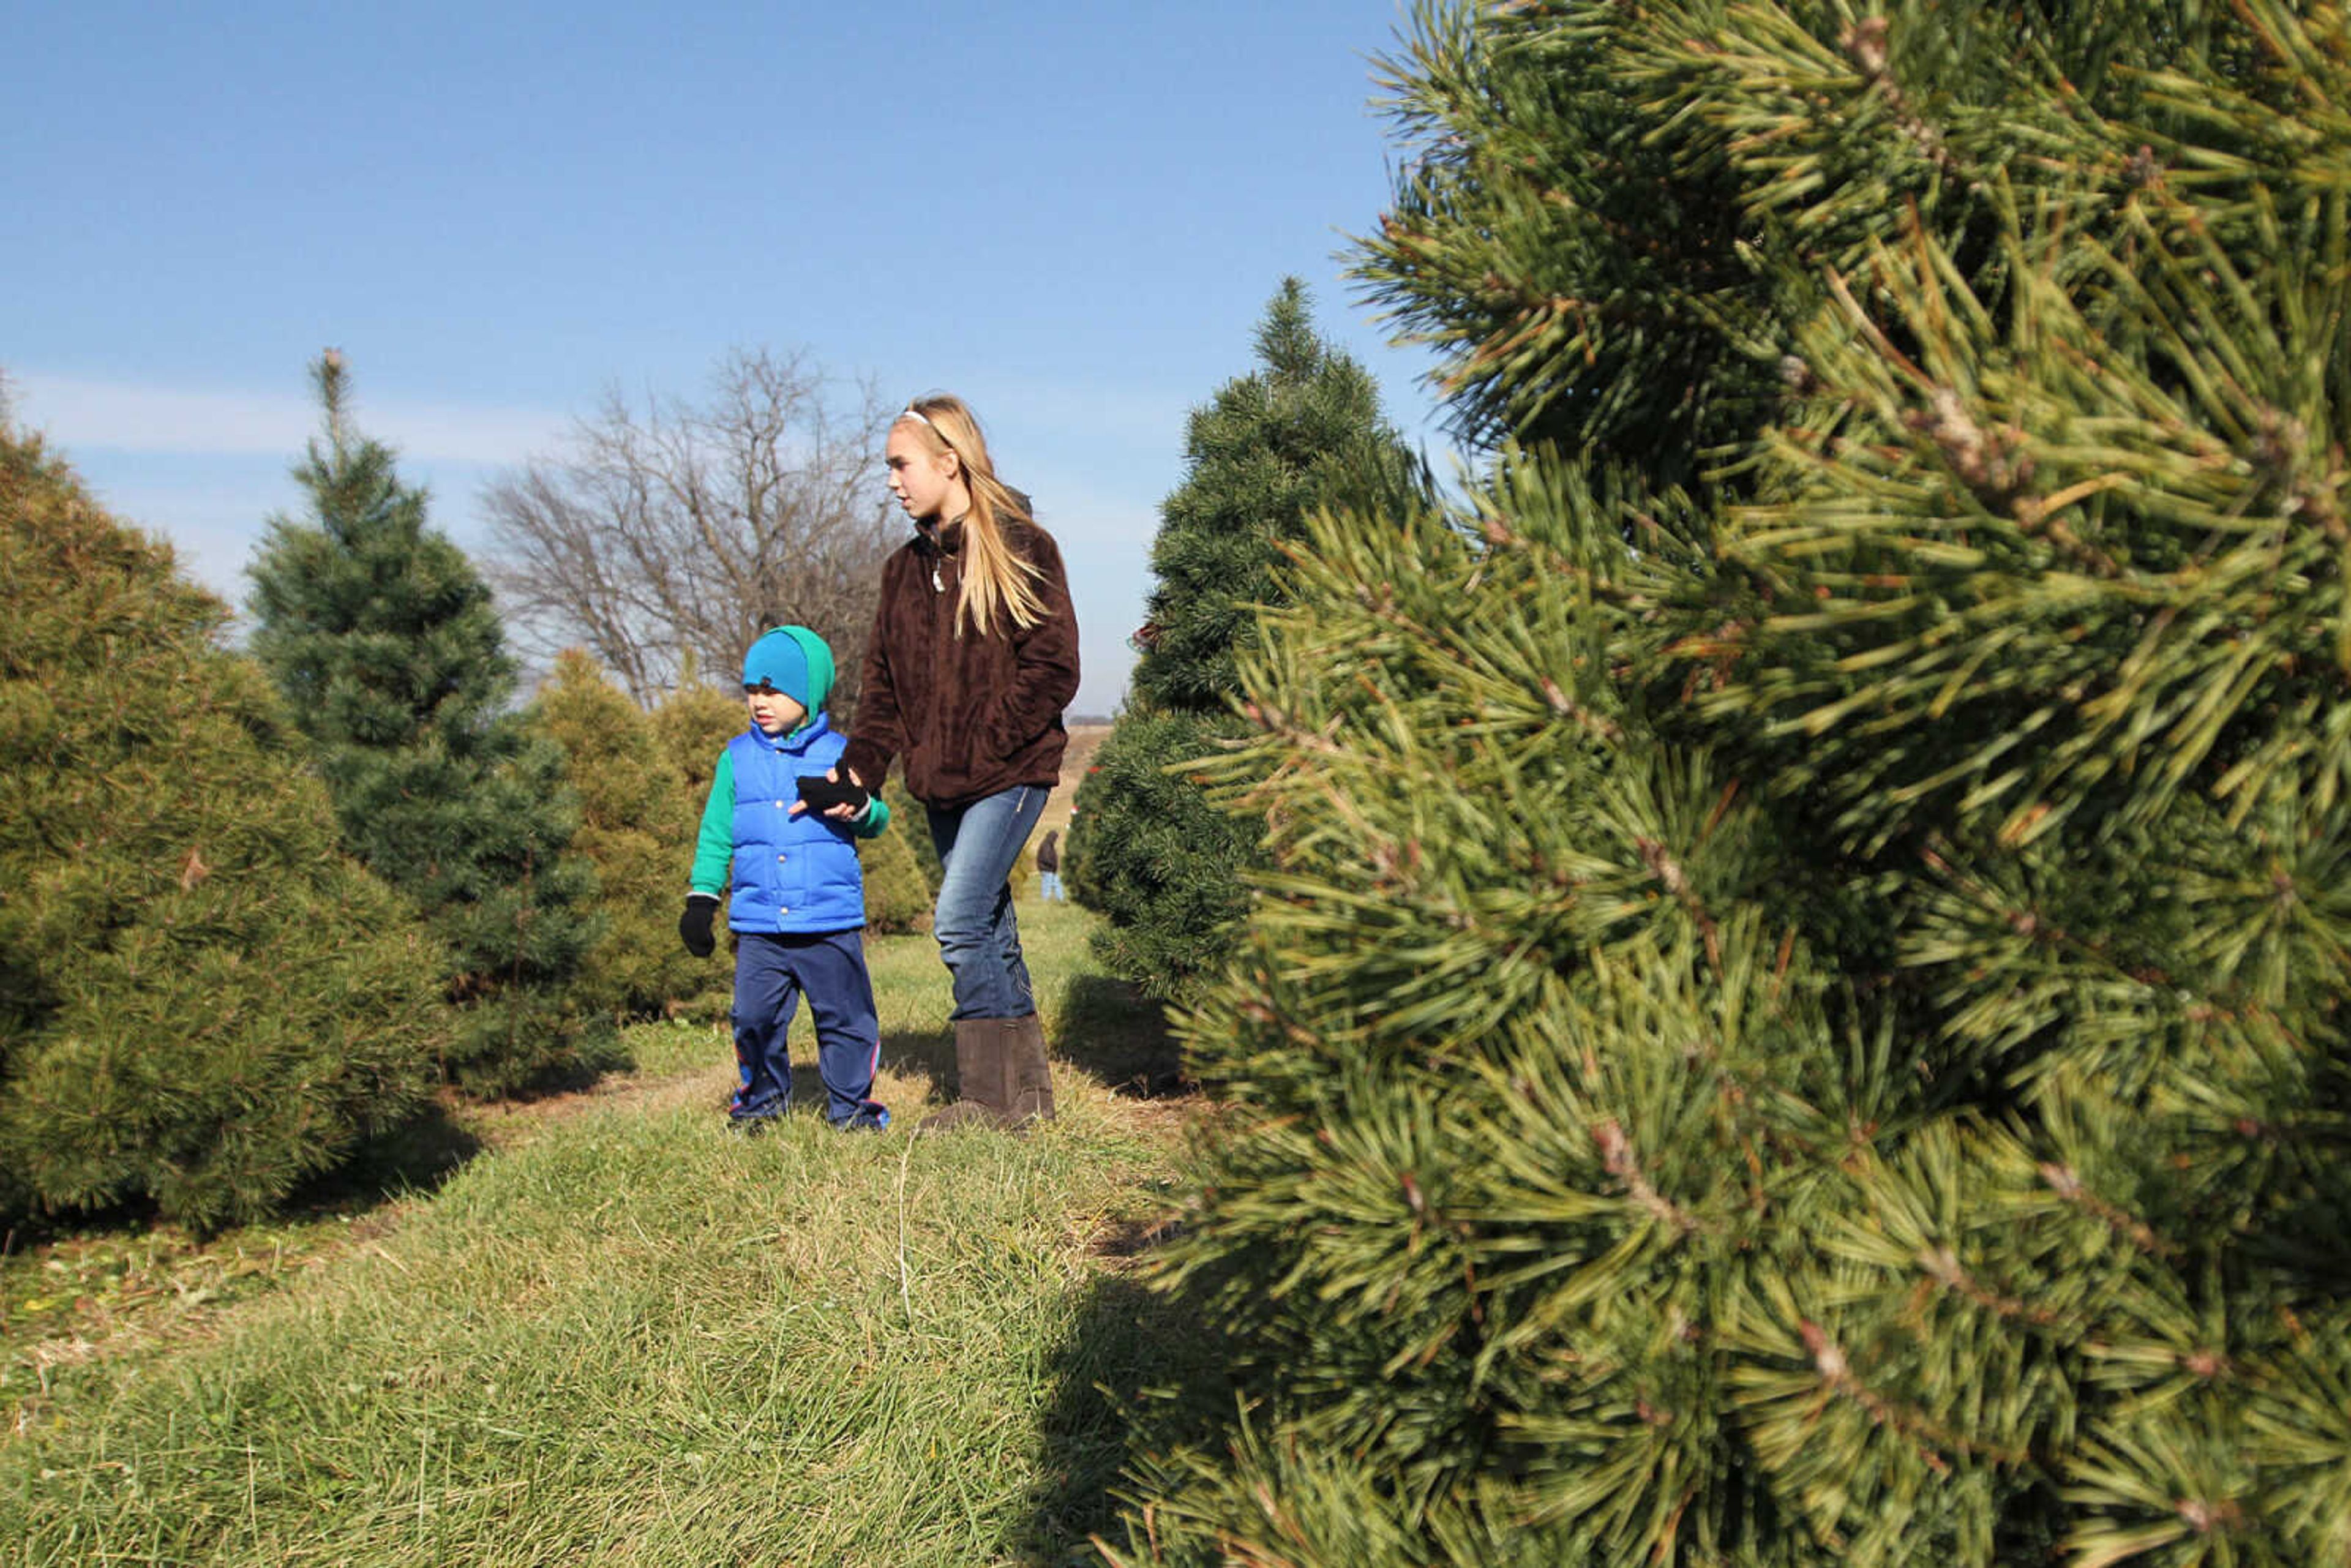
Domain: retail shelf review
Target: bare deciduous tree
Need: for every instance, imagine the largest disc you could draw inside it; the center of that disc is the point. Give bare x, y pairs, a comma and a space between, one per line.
664, 541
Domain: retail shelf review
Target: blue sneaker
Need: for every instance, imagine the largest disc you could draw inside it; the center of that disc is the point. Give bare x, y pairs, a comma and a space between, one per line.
873, 1119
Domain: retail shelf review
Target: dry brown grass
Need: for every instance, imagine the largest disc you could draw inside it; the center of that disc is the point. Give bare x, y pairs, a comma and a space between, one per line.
1085, 740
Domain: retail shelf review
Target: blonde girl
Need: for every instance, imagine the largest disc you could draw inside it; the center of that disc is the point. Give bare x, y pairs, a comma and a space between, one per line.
973, 657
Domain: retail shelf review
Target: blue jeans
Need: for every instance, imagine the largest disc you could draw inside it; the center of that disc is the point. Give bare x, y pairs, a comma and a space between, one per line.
979, 938
1049, 885
772, 972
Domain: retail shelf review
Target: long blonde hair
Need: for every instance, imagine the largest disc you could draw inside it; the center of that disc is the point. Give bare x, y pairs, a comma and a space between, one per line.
996, 580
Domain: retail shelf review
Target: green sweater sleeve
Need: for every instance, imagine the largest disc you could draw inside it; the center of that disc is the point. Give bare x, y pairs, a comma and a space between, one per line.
876, 818
713, 847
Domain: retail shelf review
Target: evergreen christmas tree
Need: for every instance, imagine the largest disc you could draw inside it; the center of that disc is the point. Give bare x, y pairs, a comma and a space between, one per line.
202, 1002
637, 827
1801, 1016
694, 723
905, 810
1149, 849
384, 641
898, 898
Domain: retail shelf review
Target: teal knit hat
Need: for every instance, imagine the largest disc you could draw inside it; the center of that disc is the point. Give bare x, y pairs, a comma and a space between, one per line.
794, 661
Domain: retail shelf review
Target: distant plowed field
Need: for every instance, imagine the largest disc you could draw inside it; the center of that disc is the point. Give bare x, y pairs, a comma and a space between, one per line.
1083, 740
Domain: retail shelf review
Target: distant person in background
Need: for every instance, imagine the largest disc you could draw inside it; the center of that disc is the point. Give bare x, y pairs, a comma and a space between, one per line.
973, 657
1048, 867
799, 903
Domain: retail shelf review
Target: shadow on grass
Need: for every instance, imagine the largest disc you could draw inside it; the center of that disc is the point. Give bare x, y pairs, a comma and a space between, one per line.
1113, 1032
74, 1264
922, 1053
415, 1157
1139, 1373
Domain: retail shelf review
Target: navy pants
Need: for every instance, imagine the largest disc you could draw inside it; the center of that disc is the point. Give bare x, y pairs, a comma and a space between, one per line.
771, 973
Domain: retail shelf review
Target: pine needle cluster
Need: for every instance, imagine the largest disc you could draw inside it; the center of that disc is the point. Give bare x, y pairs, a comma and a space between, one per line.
1797, 1017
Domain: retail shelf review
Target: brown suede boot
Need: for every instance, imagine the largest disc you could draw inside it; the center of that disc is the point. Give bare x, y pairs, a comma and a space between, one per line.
1031, 1076
984, 1080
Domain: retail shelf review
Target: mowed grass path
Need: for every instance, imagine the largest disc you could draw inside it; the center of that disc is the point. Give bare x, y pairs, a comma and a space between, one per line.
620, 1333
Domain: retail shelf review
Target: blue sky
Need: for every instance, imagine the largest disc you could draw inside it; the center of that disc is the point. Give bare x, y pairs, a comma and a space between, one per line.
1072, 215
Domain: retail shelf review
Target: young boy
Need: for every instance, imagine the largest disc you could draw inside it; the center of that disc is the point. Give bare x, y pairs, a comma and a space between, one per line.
800, 899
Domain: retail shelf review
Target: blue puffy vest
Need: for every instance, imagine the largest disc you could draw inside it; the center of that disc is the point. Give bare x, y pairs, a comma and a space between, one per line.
792, 873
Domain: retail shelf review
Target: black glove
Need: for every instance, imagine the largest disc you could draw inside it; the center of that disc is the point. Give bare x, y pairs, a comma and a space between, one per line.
693, 925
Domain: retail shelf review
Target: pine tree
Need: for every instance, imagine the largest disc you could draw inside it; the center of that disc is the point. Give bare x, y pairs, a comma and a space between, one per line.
1300, 432
1153, 853
694, 723
637, 827
1150, 850
384, 639
1799, 1016
909, 814
898, 899
203, 1003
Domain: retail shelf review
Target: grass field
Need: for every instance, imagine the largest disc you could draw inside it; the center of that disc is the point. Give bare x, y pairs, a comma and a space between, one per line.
609, 1331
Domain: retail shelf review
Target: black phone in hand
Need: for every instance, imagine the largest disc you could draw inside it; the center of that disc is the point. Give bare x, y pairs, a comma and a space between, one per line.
823, 794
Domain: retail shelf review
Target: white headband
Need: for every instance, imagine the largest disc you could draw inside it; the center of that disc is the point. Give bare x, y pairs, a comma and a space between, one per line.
913, 412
